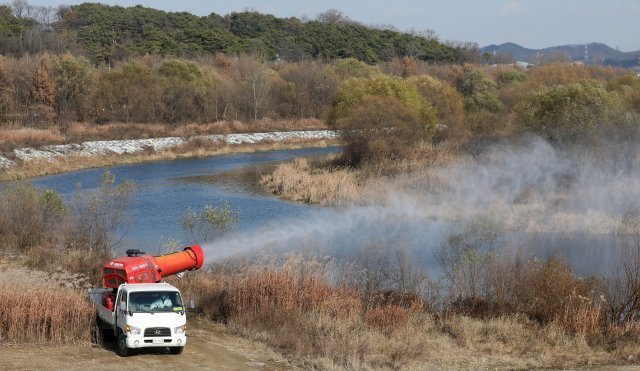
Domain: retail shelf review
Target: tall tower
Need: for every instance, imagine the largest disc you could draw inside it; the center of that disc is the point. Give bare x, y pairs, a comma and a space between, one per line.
586, 53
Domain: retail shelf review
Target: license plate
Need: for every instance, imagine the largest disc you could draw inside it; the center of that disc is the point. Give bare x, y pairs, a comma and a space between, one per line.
158, 341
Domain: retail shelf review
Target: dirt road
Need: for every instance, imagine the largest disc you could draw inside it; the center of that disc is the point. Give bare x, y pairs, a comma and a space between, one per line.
206, 349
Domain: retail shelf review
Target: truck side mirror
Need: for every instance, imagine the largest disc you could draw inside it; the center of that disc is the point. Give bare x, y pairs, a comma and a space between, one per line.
122, 306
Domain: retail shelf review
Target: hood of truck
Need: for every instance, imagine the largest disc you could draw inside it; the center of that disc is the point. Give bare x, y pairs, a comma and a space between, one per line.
163, 319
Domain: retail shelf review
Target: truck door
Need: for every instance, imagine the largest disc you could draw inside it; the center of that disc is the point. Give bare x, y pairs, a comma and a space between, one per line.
121, 315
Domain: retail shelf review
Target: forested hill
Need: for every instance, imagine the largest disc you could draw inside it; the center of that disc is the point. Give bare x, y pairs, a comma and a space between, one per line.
107, 33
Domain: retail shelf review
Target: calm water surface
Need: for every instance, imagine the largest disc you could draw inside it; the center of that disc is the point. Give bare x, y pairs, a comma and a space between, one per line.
165, 189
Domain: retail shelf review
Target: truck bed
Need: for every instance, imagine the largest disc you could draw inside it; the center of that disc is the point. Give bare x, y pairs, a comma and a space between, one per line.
95, 297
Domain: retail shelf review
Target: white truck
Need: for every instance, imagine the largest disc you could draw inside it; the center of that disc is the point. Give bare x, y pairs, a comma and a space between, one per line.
137, 307
144, 315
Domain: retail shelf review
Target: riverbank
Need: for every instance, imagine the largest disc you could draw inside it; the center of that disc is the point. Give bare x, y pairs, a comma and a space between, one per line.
326, 181
52, 159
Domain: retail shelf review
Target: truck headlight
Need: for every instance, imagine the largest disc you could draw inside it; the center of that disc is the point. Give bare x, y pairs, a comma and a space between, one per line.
180, 330
133, 330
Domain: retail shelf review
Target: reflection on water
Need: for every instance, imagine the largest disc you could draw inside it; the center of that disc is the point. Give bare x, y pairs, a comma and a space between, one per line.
165, 189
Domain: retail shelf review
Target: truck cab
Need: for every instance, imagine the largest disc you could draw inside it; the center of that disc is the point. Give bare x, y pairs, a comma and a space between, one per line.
143, 315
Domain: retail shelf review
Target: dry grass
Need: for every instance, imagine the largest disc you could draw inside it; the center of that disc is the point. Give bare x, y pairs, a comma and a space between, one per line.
28, 137
312, 182
327, 182
44, 315
316, 324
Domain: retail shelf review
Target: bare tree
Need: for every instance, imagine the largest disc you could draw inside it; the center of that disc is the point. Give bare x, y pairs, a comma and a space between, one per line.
332, 16
45, 16
21, 8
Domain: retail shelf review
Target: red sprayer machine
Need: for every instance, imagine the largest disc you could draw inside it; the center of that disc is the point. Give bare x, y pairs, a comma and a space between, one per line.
137, 307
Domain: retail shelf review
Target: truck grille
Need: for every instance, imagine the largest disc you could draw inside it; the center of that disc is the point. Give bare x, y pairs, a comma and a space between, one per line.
157, 332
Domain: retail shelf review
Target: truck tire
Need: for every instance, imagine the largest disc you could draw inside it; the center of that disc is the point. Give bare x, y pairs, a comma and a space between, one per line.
121, 346
176, 350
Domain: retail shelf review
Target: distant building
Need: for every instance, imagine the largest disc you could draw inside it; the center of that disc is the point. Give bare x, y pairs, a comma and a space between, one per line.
523, 65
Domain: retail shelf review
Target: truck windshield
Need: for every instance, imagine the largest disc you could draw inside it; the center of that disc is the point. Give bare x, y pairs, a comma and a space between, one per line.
155, 301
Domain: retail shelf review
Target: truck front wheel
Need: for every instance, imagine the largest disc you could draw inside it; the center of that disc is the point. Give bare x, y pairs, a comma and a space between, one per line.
176, 350
121, 347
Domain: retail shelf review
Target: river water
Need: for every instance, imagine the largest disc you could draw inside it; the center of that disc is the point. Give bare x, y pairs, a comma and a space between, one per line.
165, 189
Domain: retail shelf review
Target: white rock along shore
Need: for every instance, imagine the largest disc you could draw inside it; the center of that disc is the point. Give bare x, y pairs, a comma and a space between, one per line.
104, 147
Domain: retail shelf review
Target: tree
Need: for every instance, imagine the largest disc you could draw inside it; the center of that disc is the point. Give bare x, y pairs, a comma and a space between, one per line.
7, 90
354, 90
21, 8
129, 93
74, 80
210, 222
256, 83
380, 127
444, 98
333, 16
380, 117
97, 216
567, 113
185, 86
479, 93
43, 92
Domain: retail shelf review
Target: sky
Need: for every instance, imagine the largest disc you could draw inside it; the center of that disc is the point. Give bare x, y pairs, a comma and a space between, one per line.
531, 23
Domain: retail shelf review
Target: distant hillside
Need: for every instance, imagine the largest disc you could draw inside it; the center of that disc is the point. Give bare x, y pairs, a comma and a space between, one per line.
106, 33
598, 53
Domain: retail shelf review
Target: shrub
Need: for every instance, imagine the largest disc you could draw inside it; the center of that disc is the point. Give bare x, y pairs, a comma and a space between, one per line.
379, 128
479, 93
510, 77
29, 214
568, 113
444, 98
381, 117
209, 223
352, 68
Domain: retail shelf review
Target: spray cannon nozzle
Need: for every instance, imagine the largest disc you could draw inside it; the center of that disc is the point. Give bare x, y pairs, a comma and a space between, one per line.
137, 267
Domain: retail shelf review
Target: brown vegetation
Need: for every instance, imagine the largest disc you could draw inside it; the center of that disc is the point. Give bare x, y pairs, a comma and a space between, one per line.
299, 307
44, 315
51, 234
302, 181
328, 181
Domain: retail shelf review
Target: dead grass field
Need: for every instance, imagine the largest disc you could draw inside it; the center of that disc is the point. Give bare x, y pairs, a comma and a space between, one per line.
321, 325
326, 181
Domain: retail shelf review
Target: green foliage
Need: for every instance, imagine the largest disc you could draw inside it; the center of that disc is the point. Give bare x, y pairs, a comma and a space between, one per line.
185, 86
74, 82
509, 77
628, 89
380, 127
129, 93
568, 112
352, 68
11, 26
444, 98
113, 32
479, 93
209, 223
353, 91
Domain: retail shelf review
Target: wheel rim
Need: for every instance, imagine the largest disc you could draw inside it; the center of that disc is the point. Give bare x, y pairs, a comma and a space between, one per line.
122, 344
